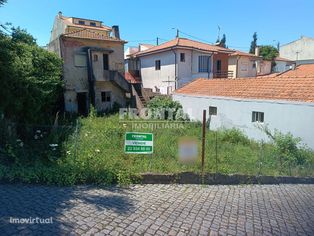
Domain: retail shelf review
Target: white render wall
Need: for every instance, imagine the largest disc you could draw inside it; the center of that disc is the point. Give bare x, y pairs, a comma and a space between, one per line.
293, 117
301, 49
186, 71
242, 66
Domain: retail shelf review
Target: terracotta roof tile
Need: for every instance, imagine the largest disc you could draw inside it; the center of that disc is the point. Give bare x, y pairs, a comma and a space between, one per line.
306, 70
68, 21
89, 34
129, 77
272, 88
239, 53
185, 43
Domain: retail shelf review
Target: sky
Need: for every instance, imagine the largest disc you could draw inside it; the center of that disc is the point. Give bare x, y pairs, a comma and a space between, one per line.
142, 21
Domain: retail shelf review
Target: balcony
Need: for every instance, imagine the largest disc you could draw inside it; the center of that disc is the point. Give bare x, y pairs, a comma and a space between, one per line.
223, 74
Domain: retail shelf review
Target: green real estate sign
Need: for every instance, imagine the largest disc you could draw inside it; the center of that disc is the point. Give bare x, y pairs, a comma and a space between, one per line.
141, 143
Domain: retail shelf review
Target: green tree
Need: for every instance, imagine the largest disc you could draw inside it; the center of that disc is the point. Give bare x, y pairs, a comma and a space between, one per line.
30, 79
268, 52
21, 35
223, 41
253, 43
2, 2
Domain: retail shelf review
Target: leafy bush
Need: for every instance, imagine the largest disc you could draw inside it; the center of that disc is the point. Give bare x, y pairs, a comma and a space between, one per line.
289, 149
172, 109
30, 79
234, 136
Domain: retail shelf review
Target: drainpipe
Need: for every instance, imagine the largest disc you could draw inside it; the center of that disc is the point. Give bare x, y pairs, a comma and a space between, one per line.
91, 81
238, 57
175, 69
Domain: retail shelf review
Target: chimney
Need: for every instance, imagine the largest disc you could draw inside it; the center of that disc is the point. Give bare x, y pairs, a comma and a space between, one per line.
115, 32
60, 14
257, 51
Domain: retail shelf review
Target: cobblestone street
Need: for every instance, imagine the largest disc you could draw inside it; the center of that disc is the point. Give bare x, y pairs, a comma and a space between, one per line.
159, 210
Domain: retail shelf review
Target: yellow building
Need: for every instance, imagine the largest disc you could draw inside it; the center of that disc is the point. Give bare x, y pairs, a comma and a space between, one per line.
93, 69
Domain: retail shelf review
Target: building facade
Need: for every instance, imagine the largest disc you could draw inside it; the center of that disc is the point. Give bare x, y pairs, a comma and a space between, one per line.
93, 64
285, 104
301, 51
171, 65
243, 64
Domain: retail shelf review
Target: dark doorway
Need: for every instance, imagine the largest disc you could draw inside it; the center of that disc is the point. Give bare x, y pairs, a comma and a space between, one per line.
106, 61
82, 103
218, 66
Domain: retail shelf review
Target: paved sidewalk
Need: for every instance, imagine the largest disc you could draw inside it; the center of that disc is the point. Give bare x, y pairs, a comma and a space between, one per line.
159, 210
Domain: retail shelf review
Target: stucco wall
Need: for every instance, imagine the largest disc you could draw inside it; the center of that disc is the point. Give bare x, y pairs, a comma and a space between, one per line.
304, 46
117, 95
76, 78
185, 71
158, 78
296, 118
241, 66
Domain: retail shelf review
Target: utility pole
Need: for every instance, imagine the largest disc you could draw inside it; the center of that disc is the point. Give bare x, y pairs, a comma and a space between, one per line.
177, 33
157, 41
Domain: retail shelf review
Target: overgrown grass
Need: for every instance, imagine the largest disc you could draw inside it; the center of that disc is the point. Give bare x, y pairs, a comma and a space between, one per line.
95, 154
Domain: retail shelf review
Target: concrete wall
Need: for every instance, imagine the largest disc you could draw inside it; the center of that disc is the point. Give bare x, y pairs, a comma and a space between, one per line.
263, 67
185, 71
242, 67
301, 49
152, 78
296, 118
76, 77
282, 66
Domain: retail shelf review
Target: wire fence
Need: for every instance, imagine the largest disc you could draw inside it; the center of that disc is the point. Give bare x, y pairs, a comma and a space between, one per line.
98, 144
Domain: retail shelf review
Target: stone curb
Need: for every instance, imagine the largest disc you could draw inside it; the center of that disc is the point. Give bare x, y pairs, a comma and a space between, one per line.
194, 178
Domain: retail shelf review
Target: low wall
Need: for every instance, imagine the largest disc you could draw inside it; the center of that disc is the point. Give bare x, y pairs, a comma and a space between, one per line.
194, 178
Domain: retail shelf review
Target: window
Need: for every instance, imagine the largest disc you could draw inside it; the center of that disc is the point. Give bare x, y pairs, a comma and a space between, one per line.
80, 60
254, 65
106, 96
81, 22
203, 63
92, 24
218, 65
182, 57
95, 57
212, 111
157, 65
106, 61
257, 116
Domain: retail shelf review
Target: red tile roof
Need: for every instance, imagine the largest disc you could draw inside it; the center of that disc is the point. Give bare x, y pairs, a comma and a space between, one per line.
69, 21
239, 53
131, 79
282, 59
90, 34
184, 43
306, 70
273, 88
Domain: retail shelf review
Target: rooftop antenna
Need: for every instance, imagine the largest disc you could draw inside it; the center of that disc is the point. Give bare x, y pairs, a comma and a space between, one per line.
178, 32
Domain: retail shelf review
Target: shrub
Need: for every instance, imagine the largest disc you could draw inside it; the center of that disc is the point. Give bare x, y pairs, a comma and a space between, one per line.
234, 136
167, 105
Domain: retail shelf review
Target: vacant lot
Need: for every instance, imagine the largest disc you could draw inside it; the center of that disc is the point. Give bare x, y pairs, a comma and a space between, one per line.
93, 152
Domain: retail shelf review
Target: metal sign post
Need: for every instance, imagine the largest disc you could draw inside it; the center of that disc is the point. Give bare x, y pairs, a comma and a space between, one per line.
203, 140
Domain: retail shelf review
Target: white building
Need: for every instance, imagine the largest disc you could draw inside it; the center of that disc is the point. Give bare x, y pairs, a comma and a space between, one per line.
170, 65
282, 103
301, 50
283, 64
